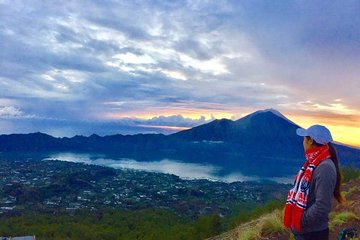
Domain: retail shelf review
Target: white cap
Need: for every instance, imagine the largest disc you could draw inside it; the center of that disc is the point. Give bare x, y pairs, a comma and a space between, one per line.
318, 133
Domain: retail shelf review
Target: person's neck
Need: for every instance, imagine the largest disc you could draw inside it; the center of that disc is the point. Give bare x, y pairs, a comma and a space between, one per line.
314, 148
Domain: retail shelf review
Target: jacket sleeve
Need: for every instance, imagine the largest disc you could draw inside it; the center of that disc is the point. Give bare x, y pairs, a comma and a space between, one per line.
325, 180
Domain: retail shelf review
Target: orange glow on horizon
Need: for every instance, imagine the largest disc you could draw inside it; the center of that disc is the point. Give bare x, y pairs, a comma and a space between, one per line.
177, 128
341, 132
192, 114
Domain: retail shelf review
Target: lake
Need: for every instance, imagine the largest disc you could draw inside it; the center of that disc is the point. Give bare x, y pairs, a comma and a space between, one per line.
184, 170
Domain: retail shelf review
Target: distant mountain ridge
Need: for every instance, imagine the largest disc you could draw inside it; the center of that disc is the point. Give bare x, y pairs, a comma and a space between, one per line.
264, 136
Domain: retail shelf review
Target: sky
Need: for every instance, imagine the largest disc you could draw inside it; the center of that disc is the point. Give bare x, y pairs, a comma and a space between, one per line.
109, 67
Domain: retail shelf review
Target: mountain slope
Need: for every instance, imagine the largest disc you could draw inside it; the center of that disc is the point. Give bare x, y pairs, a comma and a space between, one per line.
217, 130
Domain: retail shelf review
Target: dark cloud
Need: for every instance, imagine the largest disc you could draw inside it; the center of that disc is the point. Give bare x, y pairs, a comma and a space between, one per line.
286, 27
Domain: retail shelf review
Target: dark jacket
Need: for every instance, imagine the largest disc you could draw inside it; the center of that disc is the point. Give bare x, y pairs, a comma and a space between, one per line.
321, 195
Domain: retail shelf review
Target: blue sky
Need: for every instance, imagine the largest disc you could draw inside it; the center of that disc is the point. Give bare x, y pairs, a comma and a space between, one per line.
106, 67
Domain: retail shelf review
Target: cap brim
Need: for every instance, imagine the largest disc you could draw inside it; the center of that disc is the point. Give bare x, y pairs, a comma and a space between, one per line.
301, 132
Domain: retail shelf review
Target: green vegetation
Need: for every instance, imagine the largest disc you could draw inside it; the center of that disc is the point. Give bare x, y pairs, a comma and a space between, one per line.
251, 212
249, 234
273, 223
349, 173
339, 218
351, 190
111, 224
141, 224
268, 224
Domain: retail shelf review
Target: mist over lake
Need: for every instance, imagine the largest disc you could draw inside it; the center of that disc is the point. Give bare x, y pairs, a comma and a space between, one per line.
184, 170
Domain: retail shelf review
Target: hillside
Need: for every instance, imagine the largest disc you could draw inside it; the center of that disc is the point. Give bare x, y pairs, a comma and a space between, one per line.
269, 226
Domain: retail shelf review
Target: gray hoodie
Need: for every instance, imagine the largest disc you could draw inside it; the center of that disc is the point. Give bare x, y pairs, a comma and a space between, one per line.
316, 214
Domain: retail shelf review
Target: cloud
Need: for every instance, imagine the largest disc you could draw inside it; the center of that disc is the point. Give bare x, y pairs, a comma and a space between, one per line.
15, 121
175, 120
10, 112
188, 58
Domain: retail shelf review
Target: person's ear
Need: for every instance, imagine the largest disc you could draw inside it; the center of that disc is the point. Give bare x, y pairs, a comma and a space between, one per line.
311, 141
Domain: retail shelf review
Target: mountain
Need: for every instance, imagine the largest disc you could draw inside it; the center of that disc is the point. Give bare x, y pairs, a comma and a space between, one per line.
265, 132
259, 126
261, 143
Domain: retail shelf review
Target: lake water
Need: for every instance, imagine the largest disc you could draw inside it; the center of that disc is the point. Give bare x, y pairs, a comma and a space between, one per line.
182, 169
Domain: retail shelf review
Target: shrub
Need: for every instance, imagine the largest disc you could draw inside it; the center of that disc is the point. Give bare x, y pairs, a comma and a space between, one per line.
249, 214
273, 223
349, 173
341, 218
266, 225
250, 234
351, 190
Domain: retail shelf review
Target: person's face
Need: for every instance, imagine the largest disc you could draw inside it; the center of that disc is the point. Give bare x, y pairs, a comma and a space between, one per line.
308, 143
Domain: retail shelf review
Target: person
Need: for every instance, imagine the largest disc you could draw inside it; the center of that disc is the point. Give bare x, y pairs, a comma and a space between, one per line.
317, 183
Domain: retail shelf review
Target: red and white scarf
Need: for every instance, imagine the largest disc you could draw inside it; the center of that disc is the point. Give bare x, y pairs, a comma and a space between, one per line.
298, 196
